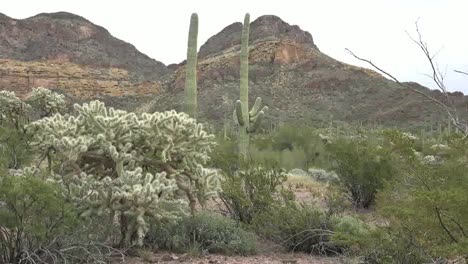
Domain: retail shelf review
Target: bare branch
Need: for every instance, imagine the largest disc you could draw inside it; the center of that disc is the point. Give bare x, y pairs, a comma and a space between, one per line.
436, 75
461, 72
403, 84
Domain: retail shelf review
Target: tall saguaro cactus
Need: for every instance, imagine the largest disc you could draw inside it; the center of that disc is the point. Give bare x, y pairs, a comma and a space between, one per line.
190, 103
248, 121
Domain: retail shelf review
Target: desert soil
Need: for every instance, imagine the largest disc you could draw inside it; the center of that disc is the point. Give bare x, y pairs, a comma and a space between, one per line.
271, 258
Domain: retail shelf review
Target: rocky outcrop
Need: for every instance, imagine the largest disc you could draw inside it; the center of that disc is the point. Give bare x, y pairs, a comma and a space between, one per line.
263, 28
78, 81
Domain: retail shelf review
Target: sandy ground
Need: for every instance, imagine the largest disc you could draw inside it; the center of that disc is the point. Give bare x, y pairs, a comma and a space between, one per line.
272, 258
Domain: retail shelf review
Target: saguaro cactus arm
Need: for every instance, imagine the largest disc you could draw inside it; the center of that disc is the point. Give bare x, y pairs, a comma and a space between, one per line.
255, 115
239, 117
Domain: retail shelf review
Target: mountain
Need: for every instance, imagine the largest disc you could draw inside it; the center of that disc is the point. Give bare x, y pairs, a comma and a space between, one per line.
68, 53
66, 37
296, 80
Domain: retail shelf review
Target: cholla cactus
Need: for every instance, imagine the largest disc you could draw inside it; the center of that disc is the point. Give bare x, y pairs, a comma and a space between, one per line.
46, 102
125, 163
208, 186
13, 112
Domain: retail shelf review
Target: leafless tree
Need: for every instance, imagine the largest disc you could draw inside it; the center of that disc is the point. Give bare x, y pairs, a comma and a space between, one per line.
436, 75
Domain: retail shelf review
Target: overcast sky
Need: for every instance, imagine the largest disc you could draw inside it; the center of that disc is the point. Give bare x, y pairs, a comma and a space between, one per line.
371, 28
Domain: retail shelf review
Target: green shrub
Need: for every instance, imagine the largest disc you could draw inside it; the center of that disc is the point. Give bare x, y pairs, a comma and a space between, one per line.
363, 167
33, 215
382, 245
253, 190
295, 146
203, 232
297, 228
434, 193
422, 213
15, 150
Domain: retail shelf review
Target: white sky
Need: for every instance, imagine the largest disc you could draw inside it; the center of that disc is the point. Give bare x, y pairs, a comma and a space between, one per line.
373, 29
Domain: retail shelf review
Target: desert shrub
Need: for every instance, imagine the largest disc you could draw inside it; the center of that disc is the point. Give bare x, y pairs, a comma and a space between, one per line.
297, 228
252, 190
15, 150
224, 155
375, 245
302, 143
362, 166
33, 215
422, 214
203, 232
322, 175
434, 193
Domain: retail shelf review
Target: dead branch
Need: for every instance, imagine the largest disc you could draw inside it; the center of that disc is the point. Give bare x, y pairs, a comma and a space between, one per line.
436, 75
461, 72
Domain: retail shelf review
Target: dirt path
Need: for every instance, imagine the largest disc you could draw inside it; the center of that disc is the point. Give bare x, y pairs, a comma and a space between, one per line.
273, 258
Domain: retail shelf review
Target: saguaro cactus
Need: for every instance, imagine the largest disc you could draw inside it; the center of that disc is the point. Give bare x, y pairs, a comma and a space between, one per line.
248, 121
190, 104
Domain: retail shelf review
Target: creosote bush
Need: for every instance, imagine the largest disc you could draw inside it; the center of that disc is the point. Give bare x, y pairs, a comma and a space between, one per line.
362, 167
298, 227
434, 193
33, 216
253, 190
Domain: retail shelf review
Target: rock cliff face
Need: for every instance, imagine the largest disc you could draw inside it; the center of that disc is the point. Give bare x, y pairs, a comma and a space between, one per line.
298, 82
78, 81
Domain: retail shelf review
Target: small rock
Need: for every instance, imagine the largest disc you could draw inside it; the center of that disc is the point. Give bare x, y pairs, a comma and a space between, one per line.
165, 257
183, 257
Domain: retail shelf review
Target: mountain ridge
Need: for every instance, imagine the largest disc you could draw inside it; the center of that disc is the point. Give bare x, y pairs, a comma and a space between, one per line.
296, 80
66, 37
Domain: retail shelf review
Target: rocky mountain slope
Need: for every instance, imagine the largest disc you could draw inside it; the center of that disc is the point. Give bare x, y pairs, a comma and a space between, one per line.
298, 82
68, 53
65, 37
